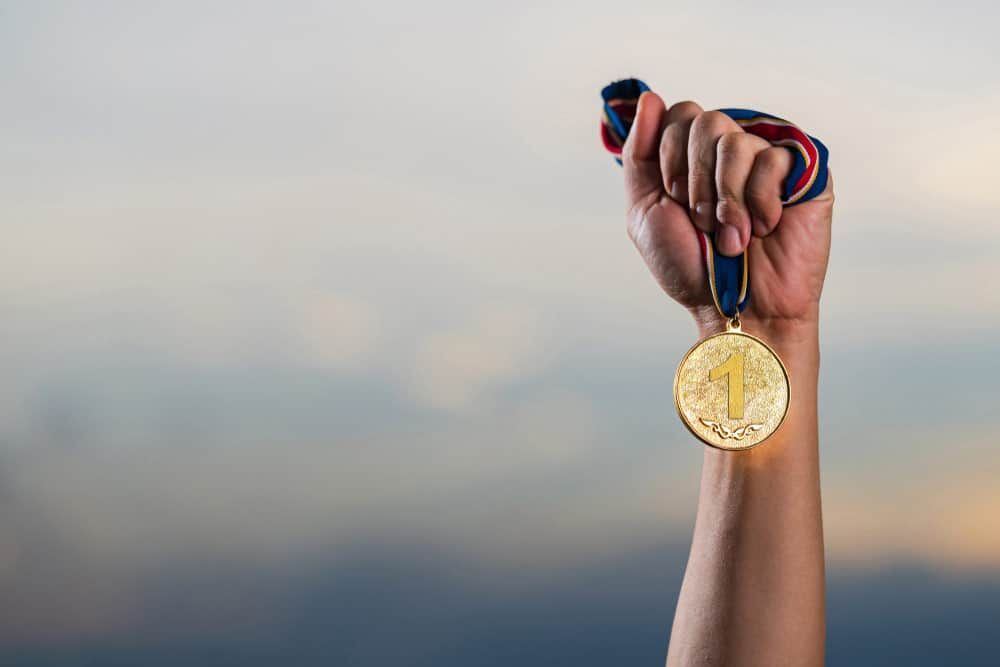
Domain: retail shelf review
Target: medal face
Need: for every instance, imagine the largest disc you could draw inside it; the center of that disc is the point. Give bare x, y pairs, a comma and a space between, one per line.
731, 390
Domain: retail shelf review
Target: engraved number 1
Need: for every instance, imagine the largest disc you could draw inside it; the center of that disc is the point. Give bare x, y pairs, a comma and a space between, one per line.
733, 369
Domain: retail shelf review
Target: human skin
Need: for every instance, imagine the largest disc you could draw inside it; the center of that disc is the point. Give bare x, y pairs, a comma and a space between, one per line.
753, 591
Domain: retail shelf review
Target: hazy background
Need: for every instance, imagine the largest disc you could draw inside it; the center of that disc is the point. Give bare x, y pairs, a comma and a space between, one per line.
323, 342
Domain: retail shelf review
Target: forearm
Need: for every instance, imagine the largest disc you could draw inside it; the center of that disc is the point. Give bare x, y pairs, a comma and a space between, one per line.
753, 592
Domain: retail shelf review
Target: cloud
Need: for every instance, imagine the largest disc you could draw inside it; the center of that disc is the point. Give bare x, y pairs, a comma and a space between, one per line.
934, 503
339, 332
951, 159
451, 369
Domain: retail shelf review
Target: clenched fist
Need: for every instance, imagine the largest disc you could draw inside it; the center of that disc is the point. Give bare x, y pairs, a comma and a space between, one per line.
686, 168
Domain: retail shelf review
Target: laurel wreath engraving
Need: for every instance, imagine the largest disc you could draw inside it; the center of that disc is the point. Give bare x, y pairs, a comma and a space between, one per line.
727, 434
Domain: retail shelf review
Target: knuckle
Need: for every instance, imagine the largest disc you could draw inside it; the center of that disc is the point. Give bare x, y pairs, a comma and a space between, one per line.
675, 133
700, 122
770, 160
685, 109
712, 121
732, 145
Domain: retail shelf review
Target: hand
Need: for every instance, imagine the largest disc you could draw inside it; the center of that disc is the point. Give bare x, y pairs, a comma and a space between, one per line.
686, 168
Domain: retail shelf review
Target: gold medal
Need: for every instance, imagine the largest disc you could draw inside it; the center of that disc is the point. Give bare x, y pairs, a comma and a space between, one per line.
731, 389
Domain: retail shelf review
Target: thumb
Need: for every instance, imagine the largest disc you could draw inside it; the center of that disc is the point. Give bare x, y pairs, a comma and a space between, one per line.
640, 154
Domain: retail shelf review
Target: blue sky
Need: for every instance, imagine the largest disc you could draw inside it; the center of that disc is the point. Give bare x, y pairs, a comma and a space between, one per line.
318, 313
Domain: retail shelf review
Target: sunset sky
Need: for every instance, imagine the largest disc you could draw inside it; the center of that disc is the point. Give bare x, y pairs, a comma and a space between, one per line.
323, 341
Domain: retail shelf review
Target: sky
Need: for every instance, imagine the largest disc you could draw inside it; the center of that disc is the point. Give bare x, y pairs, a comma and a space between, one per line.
323, 341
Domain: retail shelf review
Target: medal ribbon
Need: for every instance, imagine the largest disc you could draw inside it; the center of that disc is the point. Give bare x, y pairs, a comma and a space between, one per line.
729, 277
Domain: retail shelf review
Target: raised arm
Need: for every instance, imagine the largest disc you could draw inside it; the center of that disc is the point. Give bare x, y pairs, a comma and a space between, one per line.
753, 589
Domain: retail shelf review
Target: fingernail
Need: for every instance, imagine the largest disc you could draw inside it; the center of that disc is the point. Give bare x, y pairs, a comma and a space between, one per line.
703, 215
676, 192
759, 228
729, 240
